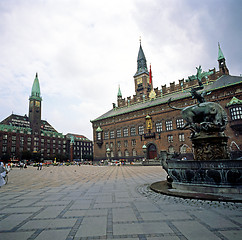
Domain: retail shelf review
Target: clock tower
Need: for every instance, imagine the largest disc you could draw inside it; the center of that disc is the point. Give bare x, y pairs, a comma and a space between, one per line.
35, 107
143, 84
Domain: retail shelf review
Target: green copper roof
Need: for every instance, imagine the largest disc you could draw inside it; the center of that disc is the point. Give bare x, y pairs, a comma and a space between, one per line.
234, 101
99, 129
10, 128
141, 62
35, 93
119, 92
220, 53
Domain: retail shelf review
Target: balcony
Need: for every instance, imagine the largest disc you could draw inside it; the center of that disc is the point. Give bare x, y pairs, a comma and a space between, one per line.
149, 135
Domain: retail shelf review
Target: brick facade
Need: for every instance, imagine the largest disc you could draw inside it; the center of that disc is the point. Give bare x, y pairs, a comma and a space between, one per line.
119, 128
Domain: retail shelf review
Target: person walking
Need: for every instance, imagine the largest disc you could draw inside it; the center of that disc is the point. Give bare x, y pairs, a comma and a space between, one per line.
3, 173
40, 165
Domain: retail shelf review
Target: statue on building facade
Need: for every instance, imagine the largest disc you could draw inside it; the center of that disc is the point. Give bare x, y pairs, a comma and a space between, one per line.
204, 116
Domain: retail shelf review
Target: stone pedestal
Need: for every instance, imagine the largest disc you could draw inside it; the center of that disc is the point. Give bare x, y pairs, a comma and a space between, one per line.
210, 147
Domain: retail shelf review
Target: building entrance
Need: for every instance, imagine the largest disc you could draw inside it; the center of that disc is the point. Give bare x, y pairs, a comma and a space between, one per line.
152, 151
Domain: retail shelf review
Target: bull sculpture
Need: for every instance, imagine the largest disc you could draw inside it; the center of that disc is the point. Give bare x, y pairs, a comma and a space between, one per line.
205, 116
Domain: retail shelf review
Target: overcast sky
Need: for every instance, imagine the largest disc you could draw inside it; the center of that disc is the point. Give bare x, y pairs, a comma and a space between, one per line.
83, 49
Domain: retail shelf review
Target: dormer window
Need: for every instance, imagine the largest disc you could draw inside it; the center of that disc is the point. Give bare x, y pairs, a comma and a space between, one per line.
236, 113
99, 136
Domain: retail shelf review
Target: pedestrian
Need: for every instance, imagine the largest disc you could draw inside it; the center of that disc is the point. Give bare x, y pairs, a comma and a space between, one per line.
8, 167
40, 166
21, 165
3, 173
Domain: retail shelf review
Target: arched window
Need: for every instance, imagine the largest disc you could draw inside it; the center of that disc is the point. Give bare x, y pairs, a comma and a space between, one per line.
134, 152
126, 153
183, 149
119, 153
171, 149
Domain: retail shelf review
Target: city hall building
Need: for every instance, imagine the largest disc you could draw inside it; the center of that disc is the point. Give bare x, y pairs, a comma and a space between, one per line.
29, 137
141, 126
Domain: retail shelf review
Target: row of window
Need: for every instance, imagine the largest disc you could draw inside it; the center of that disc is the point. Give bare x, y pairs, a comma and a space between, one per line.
110, 145
126, 153
43, 140
132, 130
21, 138
35, 149
183, 149
181, 138
88, 144
36, 145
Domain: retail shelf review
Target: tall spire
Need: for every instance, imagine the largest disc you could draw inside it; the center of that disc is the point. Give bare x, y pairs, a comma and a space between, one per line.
141, 62
35, 93
119, 92
220, 53
221, 60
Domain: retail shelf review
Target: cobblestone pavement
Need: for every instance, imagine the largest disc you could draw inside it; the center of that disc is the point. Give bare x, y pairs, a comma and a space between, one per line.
91, 202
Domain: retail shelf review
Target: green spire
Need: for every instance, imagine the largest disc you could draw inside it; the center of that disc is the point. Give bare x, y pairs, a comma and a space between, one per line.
72, 140
119, 92
220, 54
35, 93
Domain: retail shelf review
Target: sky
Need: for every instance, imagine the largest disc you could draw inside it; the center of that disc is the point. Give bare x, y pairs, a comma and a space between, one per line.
83, 50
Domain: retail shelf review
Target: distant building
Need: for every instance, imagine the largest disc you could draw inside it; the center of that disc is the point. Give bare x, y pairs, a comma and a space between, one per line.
29, 137
82, 147
146, 121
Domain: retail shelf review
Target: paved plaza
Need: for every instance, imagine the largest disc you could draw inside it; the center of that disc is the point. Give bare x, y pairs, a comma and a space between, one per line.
107, 202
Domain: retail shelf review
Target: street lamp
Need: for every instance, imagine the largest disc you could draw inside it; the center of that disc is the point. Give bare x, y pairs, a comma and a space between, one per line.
108, 153
144, 150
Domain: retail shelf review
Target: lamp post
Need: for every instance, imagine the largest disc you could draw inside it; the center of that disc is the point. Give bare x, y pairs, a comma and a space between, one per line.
144, 148
108, 153
71, 148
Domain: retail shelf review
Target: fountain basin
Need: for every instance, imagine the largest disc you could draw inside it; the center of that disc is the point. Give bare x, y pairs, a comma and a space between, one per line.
213, 176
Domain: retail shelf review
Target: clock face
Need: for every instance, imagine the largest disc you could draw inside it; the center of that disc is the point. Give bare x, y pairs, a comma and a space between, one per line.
37, 104
31, 103
139, 81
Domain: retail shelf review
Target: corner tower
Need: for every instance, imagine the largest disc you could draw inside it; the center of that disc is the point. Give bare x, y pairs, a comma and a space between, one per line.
141, 77
222, 64
35, 107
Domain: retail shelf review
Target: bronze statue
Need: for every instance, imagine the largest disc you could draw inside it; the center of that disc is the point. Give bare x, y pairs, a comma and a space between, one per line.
204, 116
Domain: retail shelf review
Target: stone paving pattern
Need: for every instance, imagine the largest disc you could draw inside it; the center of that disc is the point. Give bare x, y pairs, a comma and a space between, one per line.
108, 202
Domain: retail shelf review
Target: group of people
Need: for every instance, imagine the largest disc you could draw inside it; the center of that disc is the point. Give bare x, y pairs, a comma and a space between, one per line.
3, 172
39, 166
